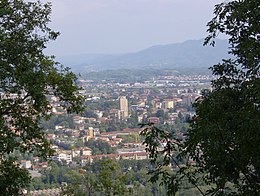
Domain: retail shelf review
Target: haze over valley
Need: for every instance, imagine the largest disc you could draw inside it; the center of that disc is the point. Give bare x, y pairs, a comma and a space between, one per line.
186, 55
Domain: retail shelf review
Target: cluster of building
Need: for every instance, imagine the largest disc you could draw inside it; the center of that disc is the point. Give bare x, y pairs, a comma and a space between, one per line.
159, 101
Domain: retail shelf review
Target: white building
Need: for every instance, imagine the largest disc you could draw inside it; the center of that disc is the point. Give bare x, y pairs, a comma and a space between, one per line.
63, 156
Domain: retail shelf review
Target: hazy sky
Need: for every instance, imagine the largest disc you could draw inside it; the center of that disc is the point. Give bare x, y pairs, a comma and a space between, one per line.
120, 26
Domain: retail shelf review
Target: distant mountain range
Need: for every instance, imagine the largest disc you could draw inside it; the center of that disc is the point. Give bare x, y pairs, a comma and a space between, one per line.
189, 54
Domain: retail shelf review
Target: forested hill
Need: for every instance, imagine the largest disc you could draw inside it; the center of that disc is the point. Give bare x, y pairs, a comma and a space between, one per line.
189, 54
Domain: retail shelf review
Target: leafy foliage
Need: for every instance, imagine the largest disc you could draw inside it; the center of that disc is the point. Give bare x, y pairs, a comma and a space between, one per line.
99, 147
222, 146
110, 177
164, 152
27, 77
9, 184
105, 176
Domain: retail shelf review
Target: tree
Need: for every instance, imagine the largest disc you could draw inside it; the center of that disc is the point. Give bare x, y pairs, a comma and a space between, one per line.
99, 147
27, 78
222, 146
111, 179
82, 183
160, 113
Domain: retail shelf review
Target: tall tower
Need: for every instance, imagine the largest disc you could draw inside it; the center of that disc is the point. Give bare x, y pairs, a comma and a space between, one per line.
123, 104
91, 131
